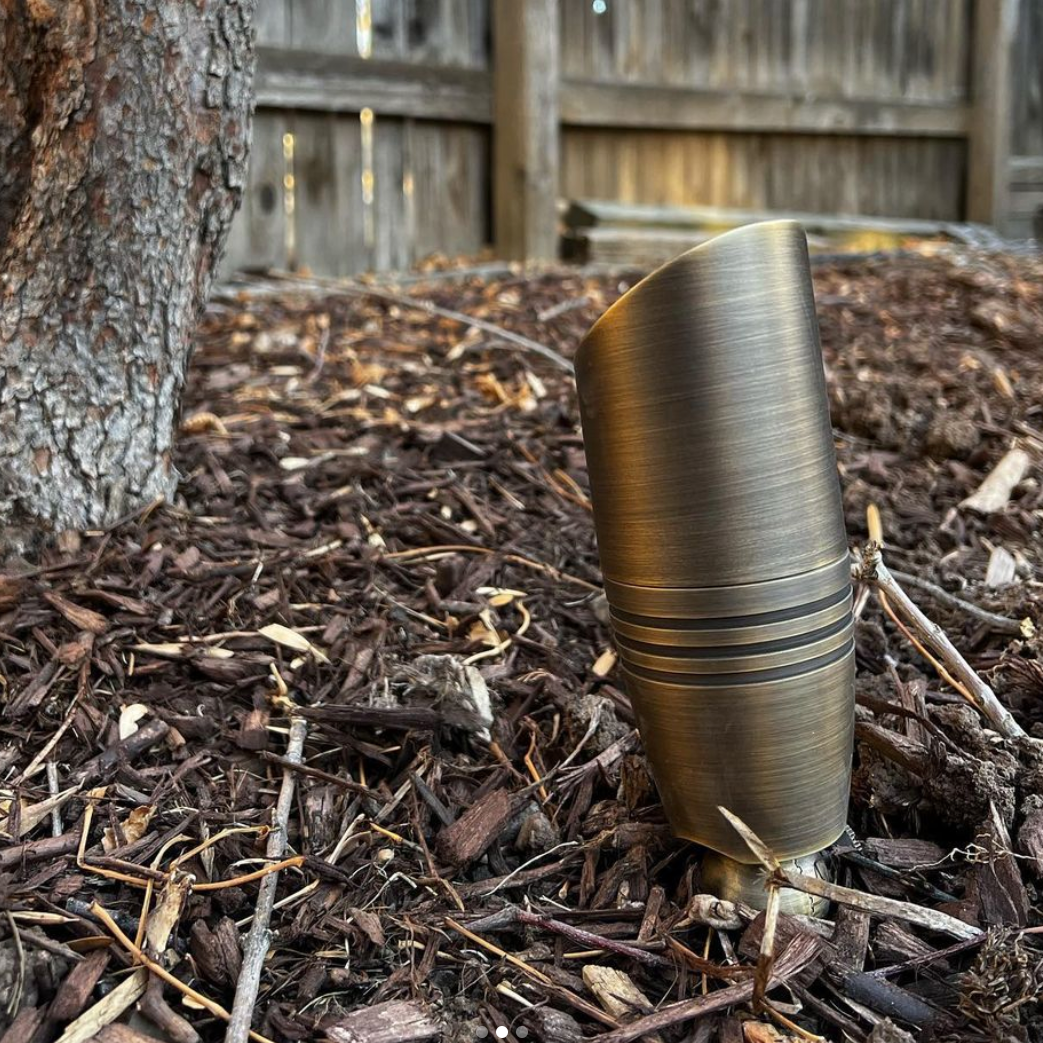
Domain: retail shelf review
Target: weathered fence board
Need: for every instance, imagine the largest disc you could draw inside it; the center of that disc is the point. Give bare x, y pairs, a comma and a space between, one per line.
288, 78
912, 50
324, 231
1028, 79
258, 235
854, 175
879, 107
323, 25
798, 104
1026, 187
449, 174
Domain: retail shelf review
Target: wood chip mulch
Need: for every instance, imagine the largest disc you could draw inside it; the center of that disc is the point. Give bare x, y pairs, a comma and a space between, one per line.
373, 622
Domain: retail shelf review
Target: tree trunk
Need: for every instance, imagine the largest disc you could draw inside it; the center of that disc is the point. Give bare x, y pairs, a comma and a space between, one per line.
124, 132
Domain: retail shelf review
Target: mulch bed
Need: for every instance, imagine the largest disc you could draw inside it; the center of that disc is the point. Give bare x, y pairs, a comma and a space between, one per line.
384, 523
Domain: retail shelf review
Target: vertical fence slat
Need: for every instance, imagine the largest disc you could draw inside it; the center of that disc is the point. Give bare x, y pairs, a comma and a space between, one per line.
390, 32
348, 249
393, 205
988, 183
316, 212
1027, 132
525, 137
323, 25
258, 236
272, 22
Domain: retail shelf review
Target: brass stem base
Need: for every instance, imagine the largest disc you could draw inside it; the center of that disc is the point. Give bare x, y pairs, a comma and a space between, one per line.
741, 882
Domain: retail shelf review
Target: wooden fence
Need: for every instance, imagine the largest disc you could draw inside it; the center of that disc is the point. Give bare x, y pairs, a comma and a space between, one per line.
387, 130
1025, 210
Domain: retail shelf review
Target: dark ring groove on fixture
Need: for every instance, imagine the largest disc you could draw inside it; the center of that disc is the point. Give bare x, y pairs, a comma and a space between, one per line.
734, 660
731, 622
780, 673
741, 599
783, 644
728, 636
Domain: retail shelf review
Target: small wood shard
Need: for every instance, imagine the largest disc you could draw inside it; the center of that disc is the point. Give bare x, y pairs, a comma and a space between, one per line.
851, 938
474, 831
76, 989
253, 733
217, 952
1001, 568
995, 491
996, 879
122, 1034
616, 992
905, 852
24, 1026
397, 1021
81, 618
1030, 840
894, 943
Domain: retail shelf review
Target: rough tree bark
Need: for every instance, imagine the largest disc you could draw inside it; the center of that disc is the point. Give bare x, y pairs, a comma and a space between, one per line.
124, 132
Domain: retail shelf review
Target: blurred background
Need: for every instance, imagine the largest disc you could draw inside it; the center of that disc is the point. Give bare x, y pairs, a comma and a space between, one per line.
625, 130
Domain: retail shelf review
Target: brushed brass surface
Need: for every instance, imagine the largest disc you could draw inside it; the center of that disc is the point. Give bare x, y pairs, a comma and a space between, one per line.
719, 523
771, 597
776, 753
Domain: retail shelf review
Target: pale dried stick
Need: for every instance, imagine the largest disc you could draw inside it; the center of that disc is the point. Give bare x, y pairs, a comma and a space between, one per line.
246, 878
261, 831
515, 961
766, 956
875, 905
48, 748
873, 570
259, 937
440, 550
1001, 624
53, 788
767, 858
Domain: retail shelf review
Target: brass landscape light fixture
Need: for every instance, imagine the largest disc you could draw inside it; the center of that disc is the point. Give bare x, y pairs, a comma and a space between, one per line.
721, 535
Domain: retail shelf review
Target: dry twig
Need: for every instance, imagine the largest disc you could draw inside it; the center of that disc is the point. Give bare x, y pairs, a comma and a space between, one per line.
1001, 624
358, 289
259, 937
873, 570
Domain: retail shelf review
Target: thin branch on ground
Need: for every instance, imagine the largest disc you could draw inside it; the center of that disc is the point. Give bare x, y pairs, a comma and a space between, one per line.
259, 938
1001, 624
800, 952
877, 905
873, 570
358, 289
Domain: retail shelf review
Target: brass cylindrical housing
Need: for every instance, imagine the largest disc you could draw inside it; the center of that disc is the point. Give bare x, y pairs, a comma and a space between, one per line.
721, 535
